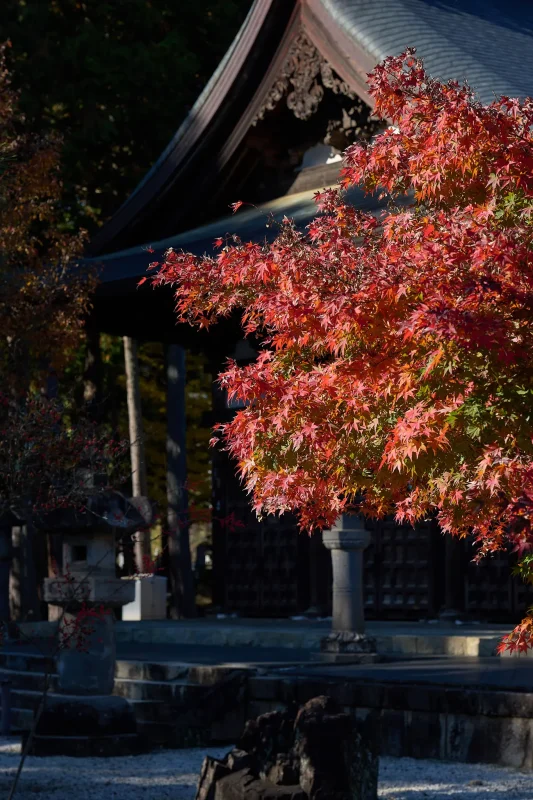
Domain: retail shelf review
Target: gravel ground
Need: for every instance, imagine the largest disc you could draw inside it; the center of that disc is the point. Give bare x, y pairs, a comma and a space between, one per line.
173, 774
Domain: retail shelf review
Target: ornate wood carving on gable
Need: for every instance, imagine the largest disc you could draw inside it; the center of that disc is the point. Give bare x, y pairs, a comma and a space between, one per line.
302, 79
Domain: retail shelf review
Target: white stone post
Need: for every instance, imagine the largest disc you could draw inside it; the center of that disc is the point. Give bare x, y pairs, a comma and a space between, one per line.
347, 541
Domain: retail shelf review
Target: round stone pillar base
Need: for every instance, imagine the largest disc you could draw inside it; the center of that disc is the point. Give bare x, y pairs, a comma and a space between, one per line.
348, 647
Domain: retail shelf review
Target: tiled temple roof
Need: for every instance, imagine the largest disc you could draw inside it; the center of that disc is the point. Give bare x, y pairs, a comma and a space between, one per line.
487, 42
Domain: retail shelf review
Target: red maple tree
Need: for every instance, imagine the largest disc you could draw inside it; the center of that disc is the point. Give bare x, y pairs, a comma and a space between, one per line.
396, 372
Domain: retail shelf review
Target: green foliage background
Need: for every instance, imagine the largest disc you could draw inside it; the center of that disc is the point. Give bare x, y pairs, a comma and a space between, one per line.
115, 79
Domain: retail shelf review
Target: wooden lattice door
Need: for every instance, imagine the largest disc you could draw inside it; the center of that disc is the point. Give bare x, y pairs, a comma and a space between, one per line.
399, 570
491, 591
262, 567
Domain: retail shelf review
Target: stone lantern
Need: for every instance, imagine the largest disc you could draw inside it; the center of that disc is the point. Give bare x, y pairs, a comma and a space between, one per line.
347, 642
83, 718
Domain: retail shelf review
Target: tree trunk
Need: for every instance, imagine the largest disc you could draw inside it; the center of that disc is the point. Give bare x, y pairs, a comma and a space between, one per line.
138, 460
93, 376
23, 590
55, 566
182, 583
16, 578
6, 555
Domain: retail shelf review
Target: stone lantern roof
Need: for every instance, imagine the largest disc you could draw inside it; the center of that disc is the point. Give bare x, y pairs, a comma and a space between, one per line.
106, 510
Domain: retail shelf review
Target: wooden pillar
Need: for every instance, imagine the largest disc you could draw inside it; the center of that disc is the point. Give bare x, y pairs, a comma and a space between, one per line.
181, 576
138, 460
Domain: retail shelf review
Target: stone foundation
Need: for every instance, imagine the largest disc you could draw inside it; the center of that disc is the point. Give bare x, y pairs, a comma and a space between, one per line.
438, 722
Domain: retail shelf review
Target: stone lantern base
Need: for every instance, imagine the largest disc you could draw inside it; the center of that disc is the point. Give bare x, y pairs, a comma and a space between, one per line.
96, 725
86, 665
84, 718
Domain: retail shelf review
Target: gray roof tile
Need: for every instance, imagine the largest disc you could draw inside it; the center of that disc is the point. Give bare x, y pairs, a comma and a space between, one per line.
488, 43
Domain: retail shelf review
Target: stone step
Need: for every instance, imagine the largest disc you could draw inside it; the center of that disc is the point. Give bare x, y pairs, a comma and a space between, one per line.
129, 669
153, 711
27, 685
169, 713
26, 662
25, 702
457, 646
151, 671
25, 698
402, 638
156, 721
145, 710
31, 681
162, 672
21, 719
163, 691
209, 675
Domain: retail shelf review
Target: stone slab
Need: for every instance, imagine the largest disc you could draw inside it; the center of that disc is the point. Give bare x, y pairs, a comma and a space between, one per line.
398, 638
98, 589
346, 658
510, 674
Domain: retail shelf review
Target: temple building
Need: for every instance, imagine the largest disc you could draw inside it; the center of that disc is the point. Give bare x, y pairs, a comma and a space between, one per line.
269, 129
